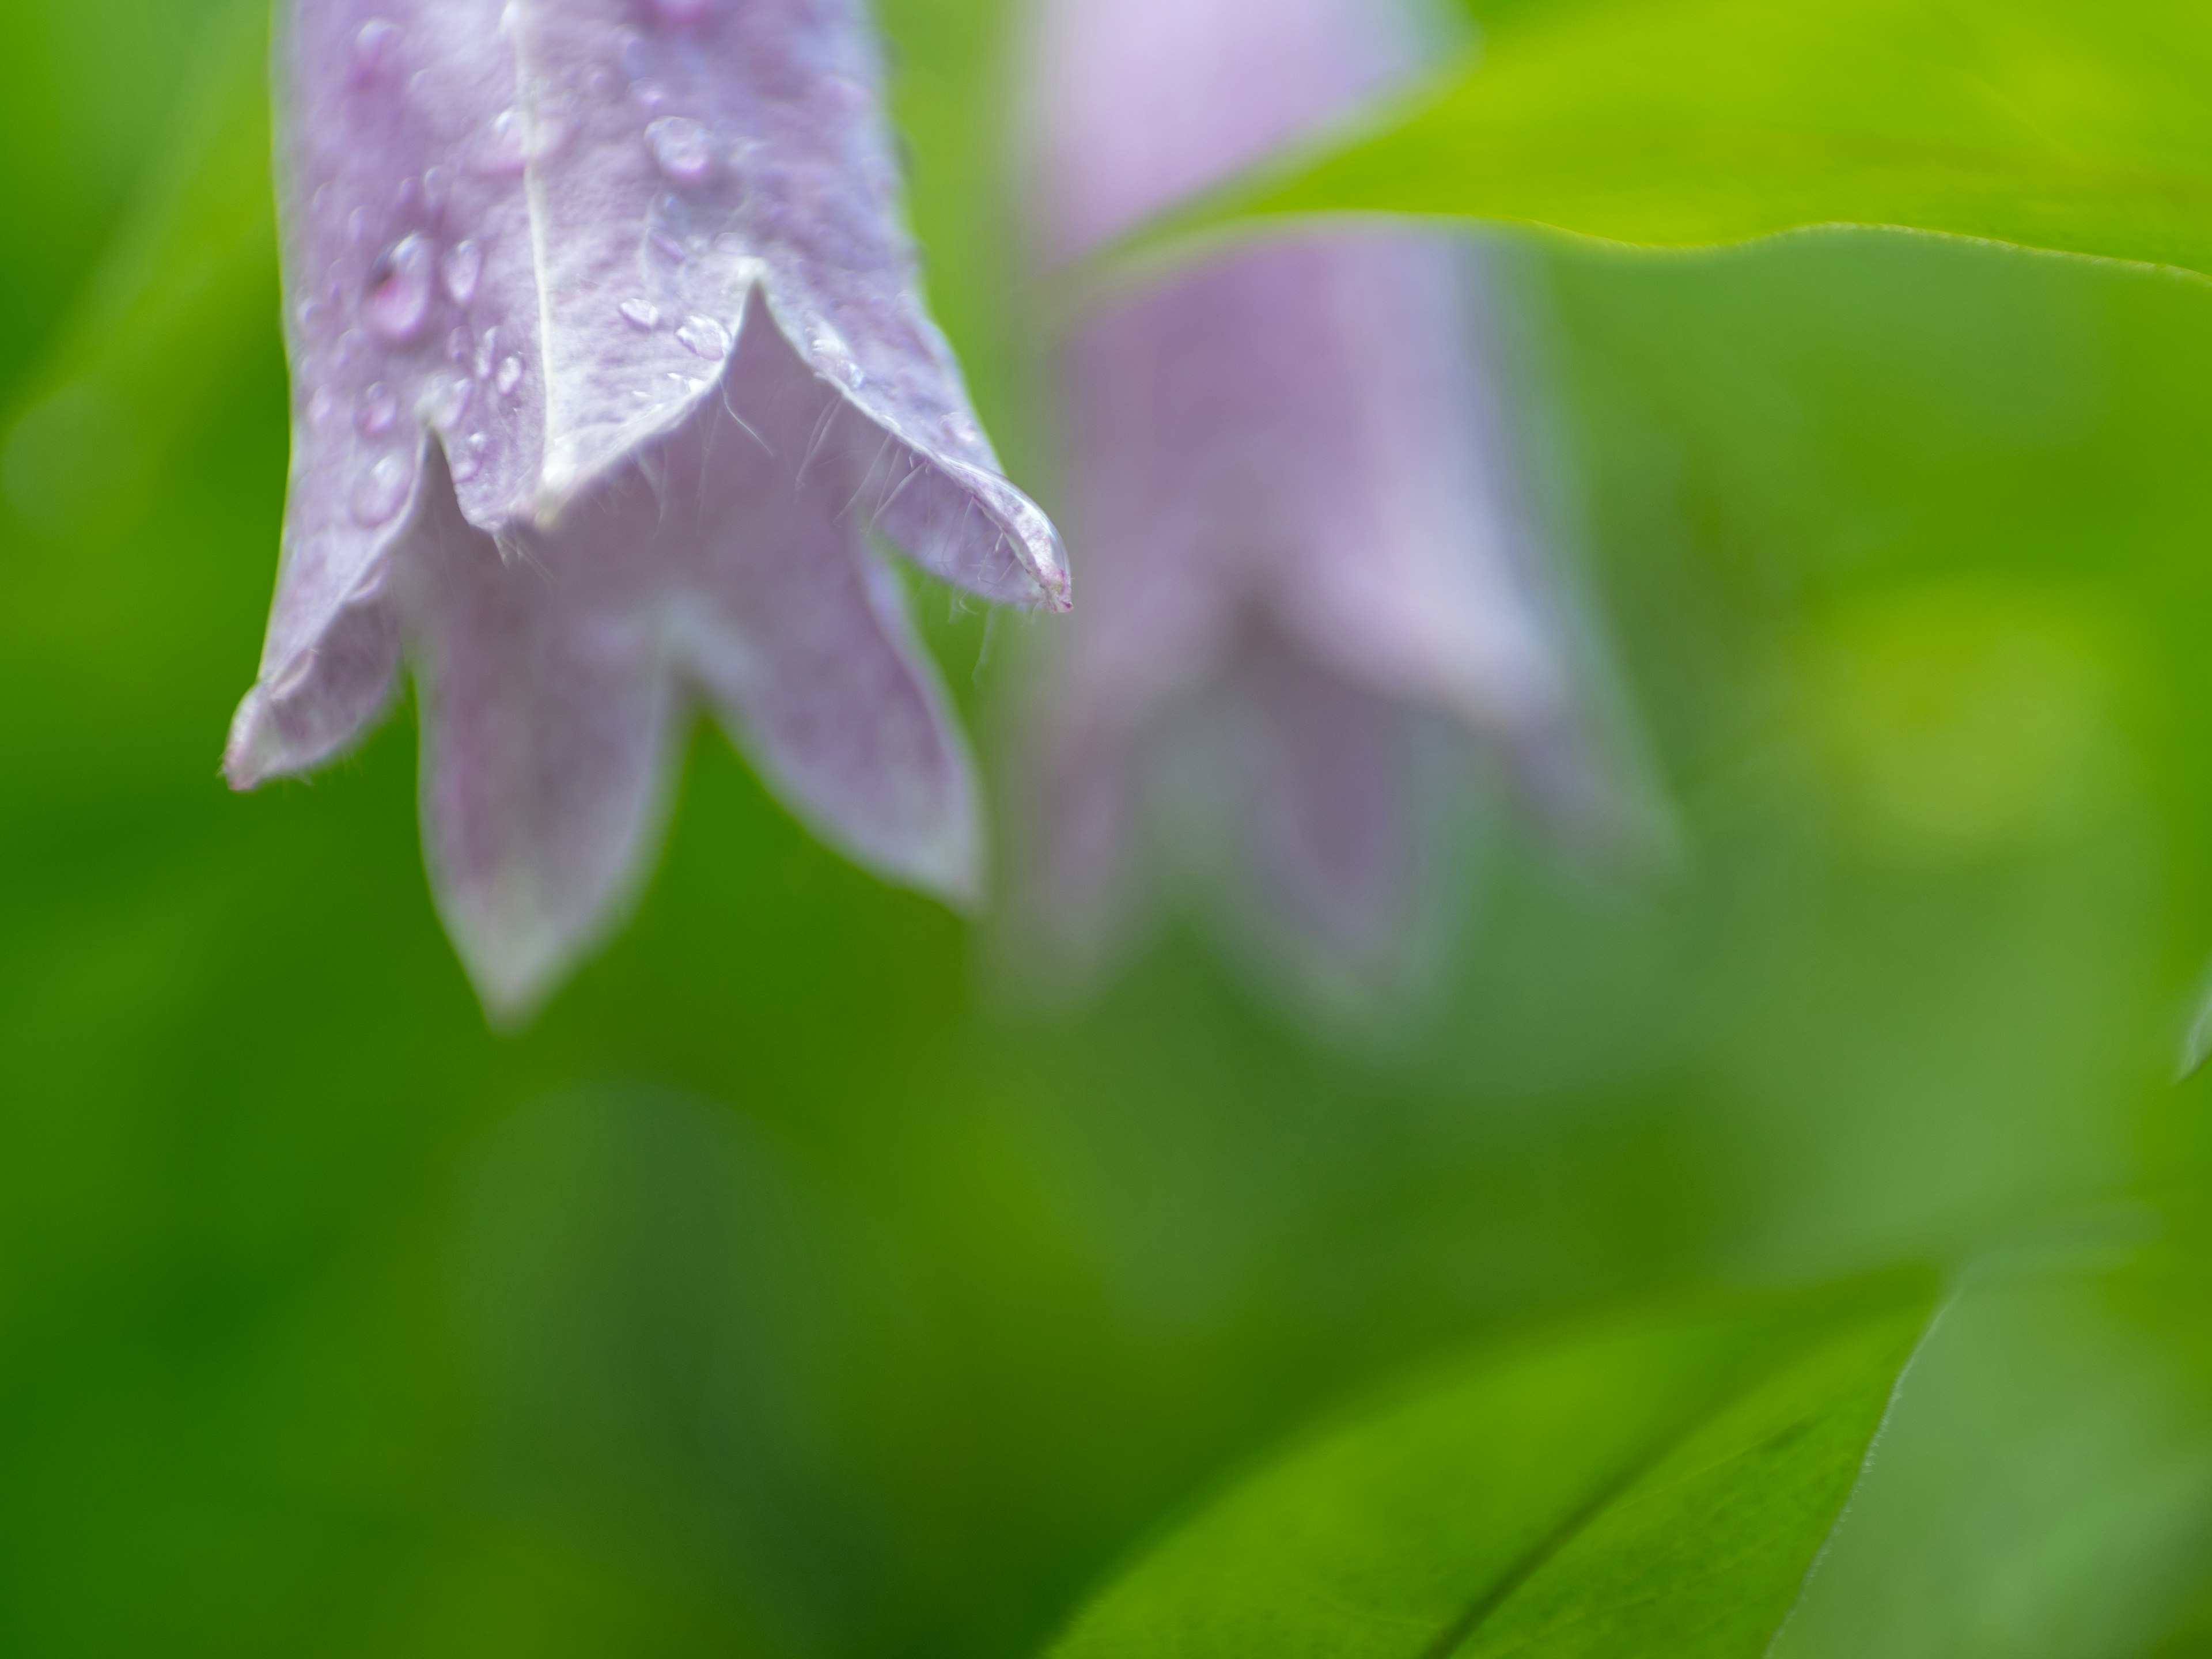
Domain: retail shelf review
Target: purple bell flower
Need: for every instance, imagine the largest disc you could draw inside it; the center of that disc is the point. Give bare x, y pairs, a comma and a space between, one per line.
608, 355
1306, 570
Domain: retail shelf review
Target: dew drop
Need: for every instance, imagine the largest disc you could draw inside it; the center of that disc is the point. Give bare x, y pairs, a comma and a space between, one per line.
487, 353
683, 148
510, 376
961, 430
357, 226
382, 491
399, 299
452, 403
310, 317
371, 44
457, 346
378, 409
703, 336
321, 407
462, 269
503, 146
641, 314
437, 189
470, 460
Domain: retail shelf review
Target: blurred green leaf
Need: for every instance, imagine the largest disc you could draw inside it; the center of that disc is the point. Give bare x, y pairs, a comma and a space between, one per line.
182, 292
1651, 1486
2078, 129
2045, 1485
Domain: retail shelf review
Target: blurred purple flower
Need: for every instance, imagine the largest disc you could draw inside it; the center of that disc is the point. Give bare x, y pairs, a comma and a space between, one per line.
607, 355
1285, 471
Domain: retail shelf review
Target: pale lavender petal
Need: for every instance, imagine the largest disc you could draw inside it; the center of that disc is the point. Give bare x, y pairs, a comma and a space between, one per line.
1332, 867
326, 696
801, 639
410, 305
726, 558
1137, 104
546, 746
1291, 482
691, 149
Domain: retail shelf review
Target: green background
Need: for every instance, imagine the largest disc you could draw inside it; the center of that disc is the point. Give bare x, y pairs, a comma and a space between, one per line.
793, 1288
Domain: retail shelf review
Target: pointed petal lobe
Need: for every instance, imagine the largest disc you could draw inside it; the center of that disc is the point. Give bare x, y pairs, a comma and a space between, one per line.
687, 152
546, 720
801, 638
410, 305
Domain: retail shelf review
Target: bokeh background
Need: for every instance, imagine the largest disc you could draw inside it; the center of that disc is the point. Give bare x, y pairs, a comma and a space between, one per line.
791, 1288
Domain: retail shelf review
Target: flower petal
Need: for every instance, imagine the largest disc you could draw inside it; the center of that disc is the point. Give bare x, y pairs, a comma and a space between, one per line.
1296, 495
1335, 885
725, 554
410, 304
546, 746
801, 639
687, 151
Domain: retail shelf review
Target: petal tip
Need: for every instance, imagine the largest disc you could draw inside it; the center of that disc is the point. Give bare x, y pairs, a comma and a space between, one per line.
246, 763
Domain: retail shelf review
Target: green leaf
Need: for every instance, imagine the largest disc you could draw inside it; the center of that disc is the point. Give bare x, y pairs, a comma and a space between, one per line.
184, 291
1658, 1486
2081, 129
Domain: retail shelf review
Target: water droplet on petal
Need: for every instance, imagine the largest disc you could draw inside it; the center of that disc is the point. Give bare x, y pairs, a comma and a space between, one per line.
372, 44
451, 403
399, 297
462, 269
357, 226
641, 314
437, 189
487, 353
703, 336
309, 316
321, 407
683, 148
377, 410
962, 431
457, 346
382, 491
503, 146
471, 459
510, 376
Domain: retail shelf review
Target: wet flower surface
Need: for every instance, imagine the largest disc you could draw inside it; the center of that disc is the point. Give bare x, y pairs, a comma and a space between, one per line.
608, 358
1306, 569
